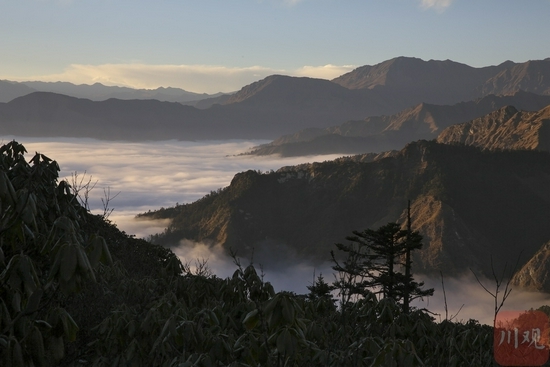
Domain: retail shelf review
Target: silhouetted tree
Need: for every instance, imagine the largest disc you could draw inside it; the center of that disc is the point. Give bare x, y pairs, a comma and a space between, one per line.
320, 289
374, 263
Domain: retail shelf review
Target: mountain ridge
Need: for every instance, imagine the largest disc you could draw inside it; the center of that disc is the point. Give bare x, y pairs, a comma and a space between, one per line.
381, 133
505, 128
279, 105
406, 76
456, 193
101, 92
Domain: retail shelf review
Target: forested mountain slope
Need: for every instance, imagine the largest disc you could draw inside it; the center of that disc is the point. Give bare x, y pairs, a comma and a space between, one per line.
470, 205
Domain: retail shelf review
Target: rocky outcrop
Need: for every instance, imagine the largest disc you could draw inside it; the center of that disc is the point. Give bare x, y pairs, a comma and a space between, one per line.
473, 207
506, 128
381, 133
531, 76
535, 275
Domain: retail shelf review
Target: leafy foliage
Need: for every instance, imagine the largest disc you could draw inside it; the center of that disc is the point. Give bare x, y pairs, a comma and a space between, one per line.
45, 259
75, 291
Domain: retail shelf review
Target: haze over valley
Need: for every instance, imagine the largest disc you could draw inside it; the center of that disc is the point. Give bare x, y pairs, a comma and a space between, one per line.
191, 170
273, 183
122, 145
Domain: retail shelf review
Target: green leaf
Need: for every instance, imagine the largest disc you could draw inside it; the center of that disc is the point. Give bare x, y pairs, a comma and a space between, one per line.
68, 262
285, 342
17, 354
35, 345
56, 347
70, 327
16, 301
251, 319
34, 301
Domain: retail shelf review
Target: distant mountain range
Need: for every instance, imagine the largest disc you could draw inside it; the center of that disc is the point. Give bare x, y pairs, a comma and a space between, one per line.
480, 193
267, 109
382, 133
98, 92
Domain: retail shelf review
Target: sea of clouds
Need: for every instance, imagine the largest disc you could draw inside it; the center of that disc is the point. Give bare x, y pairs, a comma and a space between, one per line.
148, 175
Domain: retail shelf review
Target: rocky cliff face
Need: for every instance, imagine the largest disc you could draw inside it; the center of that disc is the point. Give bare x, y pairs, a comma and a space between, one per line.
528, 76
450, 241
469, 205
535, 274
506, 128
380, 133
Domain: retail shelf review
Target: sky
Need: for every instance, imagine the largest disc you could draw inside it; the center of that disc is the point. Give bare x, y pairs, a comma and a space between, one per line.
211, 46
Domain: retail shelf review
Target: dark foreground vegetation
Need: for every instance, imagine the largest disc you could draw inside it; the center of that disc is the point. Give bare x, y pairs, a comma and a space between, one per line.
75, 291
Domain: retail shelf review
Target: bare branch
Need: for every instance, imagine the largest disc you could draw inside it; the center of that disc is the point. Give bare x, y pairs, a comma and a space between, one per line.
81, 187
499, 303
105, 200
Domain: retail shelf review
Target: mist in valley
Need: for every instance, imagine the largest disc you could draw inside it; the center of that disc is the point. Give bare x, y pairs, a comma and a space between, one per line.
147, 176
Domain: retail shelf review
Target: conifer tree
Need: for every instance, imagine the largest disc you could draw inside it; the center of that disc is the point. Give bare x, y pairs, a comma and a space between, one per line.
375, 261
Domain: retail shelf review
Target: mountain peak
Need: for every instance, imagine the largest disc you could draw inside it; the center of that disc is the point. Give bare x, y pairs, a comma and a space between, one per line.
531, 76
252, 89
396, 71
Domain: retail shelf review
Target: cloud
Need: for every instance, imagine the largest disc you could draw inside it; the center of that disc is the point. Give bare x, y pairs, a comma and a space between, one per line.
213, 255
466, 299
324, 72
161, 174
156, 174
141, 228
151, 175
438, 5
274, 264
292, 2
193, 78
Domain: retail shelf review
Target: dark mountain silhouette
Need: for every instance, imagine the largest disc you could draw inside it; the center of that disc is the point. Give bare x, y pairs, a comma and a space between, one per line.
506, 128
433, 81
48, 114
279, 91
469, 204
381, 133
274, 106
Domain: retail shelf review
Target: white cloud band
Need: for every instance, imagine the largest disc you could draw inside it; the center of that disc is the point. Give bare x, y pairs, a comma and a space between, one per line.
193, 78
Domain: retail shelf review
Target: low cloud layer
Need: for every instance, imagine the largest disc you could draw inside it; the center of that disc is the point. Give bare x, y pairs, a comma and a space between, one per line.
148, 176
278, 267
161, 174
193, 78
466, 299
